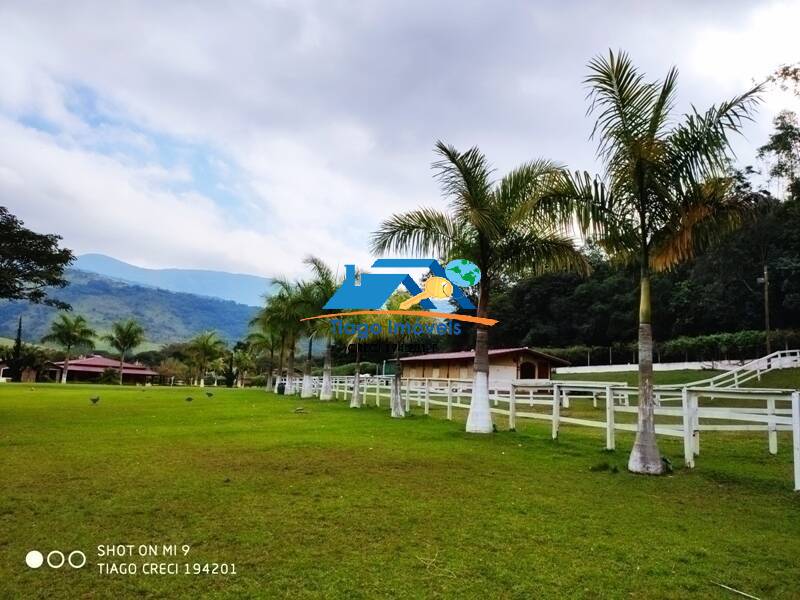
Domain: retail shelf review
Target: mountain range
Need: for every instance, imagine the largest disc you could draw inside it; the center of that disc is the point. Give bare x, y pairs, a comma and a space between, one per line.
244, 289
167, 316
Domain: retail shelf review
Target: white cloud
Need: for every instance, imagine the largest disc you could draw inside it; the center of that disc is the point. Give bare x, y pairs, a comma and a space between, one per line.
317, 119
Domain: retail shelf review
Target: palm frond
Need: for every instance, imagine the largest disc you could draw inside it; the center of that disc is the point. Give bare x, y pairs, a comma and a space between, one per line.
698, 148
622, 101
535, 253
466, 178
425, 231
707, 215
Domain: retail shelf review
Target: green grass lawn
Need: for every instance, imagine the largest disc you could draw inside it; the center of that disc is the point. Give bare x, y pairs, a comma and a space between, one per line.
349, 503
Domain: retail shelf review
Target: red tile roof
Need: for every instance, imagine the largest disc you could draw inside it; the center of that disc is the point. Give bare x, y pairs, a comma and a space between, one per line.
98, 364
495, 352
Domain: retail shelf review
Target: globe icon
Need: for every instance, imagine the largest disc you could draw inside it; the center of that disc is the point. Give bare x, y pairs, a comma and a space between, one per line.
462, 272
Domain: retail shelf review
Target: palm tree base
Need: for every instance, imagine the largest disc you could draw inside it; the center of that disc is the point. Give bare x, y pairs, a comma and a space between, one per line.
645, 458
326, 393
307, 391
355, 399
479, 419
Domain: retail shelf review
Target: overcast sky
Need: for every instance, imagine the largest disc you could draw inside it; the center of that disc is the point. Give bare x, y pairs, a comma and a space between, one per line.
244, 135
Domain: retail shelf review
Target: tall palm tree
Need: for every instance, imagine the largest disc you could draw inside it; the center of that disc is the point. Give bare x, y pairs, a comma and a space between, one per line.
664, 195
124, 336
205, 348
309, 303
508, 228
326, 283
285, 309
70, 333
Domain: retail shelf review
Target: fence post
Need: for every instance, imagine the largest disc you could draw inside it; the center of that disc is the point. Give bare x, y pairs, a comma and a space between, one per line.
408, 395
556, 410
512, 409
695, 424
772, 427
565, 397
688, 443
796, 438
610, 442
594, 399
427, 396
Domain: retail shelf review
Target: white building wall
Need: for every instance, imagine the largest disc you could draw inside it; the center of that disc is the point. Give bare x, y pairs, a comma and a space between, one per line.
502, 373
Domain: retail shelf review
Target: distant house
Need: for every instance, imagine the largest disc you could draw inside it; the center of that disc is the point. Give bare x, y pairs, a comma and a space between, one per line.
505, 364
89, 368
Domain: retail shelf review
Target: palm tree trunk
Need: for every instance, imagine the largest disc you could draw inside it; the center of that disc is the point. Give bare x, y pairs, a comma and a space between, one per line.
66, 367
290, 369
121, 362
280, 368
398, 409
326, 393
308, 390
269, 370
479, 419
645, 457
355, 399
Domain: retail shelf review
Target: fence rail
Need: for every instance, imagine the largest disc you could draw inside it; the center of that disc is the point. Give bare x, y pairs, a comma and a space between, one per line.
701, 407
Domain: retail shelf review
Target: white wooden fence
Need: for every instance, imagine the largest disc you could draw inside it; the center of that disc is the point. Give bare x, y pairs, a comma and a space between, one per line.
701, 408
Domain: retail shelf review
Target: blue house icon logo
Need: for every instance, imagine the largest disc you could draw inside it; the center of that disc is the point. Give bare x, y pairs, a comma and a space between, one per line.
372, 290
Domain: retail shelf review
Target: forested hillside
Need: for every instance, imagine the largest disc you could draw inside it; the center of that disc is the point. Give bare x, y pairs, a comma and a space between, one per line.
166, 316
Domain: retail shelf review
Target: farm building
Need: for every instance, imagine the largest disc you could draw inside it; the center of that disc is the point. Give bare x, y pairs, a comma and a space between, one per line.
505, 364
89, 368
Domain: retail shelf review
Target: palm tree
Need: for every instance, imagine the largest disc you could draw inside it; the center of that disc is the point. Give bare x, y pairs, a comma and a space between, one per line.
205, 348
70, 333
398, 409
664, 195
266, 340
326, 283
124, 336
309, 303
285, 309
508, 228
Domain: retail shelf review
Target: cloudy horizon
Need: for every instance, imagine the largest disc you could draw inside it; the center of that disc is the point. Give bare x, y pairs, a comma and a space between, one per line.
241, 139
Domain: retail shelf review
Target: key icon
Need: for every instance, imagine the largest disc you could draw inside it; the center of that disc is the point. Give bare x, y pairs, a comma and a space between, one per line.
435, 287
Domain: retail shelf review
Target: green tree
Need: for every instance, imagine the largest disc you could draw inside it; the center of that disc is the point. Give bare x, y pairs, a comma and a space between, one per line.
666, 192
283, 312
124, 337
205, 348
783, 151
325, 282
172, 368
30, 262
70, 333
508, 229
264, 341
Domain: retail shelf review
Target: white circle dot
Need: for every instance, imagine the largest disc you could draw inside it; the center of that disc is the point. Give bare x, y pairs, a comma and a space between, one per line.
82, 558
51, 563
34, 559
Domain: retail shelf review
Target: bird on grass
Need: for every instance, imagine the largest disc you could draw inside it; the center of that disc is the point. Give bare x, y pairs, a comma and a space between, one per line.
188, 398
95, 400
209, 394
